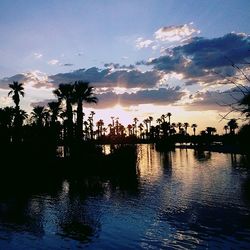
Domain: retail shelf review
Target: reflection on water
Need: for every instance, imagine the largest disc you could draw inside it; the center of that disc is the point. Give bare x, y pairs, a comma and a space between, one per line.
181, 199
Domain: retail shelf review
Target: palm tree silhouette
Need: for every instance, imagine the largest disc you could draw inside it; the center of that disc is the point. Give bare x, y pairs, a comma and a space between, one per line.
194, 126
226, 127
232, 126
54, 110
168, 115
17, 90
210, 130
179, 125
135, 125
150, 119
38, 115
65, 92
82, 93
186, 125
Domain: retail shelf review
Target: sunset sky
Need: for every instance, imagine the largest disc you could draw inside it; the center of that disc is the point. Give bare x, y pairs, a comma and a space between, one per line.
144, 57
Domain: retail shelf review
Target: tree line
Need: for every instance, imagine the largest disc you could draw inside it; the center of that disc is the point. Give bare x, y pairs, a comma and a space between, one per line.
58, 119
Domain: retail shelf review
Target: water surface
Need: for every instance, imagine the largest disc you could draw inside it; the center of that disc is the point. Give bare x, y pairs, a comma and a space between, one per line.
176, 200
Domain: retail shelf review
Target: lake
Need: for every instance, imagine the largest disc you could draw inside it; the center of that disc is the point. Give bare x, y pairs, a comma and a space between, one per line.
181, 199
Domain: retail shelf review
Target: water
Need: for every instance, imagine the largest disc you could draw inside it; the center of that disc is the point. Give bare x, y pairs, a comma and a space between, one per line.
177, 200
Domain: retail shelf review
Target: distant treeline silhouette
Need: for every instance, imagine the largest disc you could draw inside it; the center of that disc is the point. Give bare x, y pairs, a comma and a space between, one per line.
58, 124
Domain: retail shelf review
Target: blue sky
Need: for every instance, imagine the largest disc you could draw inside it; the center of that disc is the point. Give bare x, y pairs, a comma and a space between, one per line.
50, 37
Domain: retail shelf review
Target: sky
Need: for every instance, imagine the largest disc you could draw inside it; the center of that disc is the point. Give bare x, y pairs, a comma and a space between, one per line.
144, 57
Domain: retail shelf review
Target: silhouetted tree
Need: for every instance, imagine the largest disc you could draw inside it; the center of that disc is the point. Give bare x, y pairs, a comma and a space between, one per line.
54, 110
186, 125
38, 115
17, 89
82, 93
65, 92
169, 115
232, 126
226, 127
194, 126
179, 125
210, 130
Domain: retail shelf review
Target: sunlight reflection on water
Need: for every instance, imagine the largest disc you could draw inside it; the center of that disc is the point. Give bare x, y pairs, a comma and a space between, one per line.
179, 200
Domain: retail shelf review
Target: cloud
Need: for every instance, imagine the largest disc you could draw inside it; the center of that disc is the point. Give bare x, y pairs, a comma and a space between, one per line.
142, 43
4, 82
36, 78
214, 100
202, 60
38, 55
167, 36
53, 62
68, 64
118, 66
42, 103
107, 78
175, 33
161, 96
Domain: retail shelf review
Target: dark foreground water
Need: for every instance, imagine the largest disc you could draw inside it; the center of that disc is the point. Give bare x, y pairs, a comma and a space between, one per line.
177, 200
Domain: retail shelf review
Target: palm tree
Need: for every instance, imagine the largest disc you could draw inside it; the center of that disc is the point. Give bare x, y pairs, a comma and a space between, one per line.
65, 92
186, 125
135, 125
54, 109
146, 121
163, 117
226, 127
129, 127
38, 114
82, 93
194, 126
140, 126
210, 130
168, 115
232, 126
150, 119
99, 125
7, 115
179, 125
159, 121
17, 90
91, 124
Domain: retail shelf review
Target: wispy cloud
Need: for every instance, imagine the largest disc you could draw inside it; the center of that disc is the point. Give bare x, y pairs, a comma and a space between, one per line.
53, 62
167, 36
143, 43
38, 55
176, 33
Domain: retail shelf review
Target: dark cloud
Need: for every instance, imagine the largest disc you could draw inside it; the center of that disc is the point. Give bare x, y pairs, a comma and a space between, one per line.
200, 58
92, 75
214, 100
118, 66
37, 79
68, 64
108, 78
4, 82
42, 103
160, 96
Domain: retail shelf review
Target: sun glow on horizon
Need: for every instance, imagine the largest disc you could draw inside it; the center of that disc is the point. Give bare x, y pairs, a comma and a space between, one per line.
126, 115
